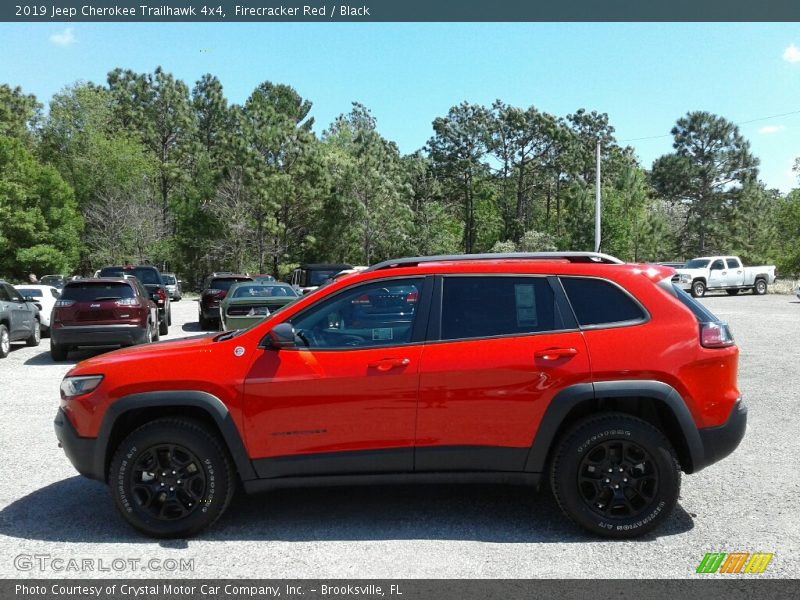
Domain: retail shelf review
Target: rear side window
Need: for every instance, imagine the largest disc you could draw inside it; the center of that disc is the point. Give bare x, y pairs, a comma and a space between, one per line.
475, 307
701, 313
88, 292
599, 302
732, 263
4, 294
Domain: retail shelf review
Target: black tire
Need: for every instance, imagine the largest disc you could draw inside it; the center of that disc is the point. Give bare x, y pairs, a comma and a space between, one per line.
36, 335
152, 500
5, 341
732, 292
163, 327
203, 322
156, 334
169, 317
647, 486
698, 289
148, 335
57, 351
760, 287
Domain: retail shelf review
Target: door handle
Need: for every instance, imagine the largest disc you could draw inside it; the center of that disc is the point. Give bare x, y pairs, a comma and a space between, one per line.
555, 353
386, 364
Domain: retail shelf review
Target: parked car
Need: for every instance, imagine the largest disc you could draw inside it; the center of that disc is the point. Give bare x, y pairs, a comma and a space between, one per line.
214, 291
56, 281
309, 277
571, 368
150, 277
723, 273
248, 302
45, 297
19, 319
173, 285
102, 312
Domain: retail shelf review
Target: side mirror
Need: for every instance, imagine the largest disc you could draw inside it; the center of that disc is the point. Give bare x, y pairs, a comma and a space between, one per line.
29, 299
281, 336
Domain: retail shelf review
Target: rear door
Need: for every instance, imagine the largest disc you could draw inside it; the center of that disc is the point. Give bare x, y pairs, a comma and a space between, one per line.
735, 276
500, 348
21, 314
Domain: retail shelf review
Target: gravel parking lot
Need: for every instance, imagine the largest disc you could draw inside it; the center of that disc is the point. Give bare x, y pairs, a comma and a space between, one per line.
747, 502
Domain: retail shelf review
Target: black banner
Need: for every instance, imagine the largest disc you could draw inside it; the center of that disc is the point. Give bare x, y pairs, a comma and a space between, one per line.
399, 10
732, 588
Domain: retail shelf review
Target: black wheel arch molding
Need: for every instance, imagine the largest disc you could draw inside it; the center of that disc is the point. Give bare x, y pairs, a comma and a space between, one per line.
212, 406
692, 444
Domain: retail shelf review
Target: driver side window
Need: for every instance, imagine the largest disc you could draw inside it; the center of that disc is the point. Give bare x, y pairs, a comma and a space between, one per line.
367, 316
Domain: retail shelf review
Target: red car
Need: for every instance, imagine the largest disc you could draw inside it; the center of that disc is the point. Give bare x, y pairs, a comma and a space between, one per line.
602, 377
102, 312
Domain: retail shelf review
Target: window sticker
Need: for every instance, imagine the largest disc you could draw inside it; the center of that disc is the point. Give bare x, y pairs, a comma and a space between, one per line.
526, 305
382, 333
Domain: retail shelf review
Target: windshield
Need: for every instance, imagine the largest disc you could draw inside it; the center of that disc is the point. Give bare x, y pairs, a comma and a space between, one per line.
225, 284
147, 275
319, 277
264, 291
168, 279
88, 292
29, 292
697, 263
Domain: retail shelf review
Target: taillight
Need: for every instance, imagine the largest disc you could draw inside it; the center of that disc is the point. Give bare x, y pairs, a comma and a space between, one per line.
412, 296
64, 303
715, 335
362, 300
126, 302
162, 294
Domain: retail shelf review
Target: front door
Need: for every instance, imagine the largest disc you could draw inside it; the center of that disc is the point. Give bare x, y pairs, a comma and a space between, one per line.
717, 274
505, 347
345, 399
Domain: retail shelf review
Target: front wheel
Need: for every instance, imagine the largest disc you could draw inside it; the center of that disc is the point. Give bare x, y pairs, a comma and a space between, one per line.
171, 478
698, 289
615, 475
760, 287
5, 341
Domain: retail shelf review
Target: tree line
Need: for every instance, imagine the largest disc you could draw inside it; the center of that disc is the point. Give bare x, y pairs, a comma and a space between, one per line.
145, 168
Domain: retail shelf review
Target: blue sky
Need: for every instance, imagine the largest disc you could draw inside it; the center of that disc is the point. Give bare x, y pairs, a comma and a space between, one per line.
643, 75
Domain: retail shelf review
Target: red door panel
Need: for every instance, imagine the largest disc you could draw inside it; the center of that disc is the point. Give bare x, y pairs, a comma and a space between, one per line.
304, 401
493, 392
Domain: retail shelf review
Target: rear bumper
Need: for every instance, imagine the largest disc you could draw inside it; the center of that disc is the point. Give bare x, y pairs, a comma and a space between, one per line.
99, 335
719, 442
80, 451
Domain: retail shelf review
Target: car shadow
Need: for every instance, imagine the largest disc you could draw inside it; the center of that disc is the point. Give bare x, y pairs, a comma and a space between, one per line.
74, 357
192, 326
486, 513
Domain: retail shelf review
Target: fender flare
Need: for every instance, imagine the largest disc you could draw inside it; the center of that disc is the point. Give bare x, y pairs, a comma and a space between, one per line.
574, 395
209, 403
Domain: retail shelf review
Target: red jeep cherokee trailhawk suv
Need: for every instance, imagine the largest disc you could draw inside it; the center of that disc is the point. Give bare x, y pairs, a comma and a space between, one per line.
599, 376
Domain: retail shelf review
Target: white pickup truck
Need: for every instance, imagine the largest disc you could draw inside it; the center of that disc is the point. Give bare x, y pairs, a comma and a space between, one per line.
723, 273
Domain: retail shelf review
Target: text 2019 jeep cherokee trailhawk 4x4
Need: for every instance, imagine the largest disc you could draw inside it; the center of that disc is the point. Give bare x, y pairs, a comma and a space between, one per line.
600, 376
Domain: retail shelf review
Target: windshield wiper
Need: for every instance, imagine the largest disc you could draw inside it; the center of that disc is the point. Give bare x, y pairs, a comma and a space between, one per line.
226, 335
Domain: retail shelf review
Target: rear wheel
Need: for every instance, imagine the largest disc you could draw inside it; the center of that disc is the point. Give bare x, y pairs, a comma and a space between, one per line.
58, 351
615, 475
163, 327
760, 287
203, 322
5, 341
698, 289
732, 292
171, 478
169, 317
36, 335
156, 334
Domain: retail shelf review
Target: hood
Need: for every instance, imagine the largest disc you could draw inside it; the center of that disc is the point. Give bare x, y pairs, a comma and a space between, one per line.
164, 352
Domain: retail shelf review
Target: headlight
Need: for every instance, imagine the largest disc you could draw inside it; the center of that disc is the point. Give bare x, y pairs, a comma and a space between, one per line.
685, 278
77, 386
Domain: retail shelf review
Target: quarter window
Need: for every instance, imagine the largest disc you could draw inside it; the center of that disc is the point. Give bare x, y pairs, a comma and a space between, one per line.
367, 316
475, 307
599, 302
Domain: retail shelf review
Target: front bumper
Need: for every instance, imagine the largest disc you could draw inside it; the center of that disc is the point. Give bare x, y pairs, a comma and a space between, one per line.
80, 451
99, 335
719, 442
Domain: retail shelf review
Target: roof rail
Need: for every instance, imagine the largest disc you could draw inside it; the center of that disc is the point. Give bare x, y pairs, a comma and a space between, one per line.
576, 257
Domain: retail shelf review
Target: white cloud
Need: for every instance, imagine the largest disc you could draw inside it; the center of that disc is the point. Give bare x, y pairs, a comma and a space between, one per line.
791, 54
770, 129
64, 39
